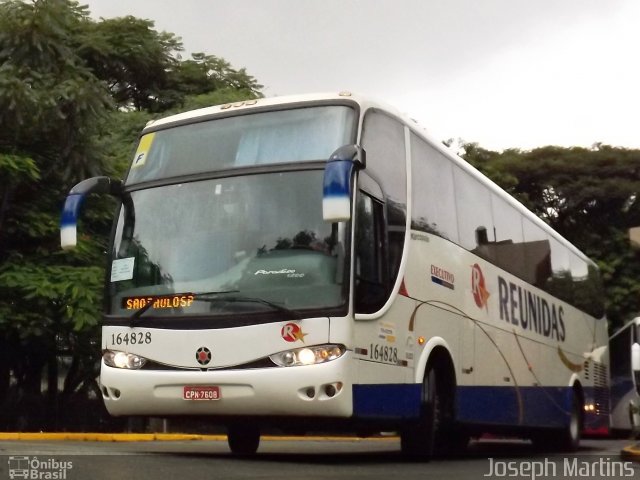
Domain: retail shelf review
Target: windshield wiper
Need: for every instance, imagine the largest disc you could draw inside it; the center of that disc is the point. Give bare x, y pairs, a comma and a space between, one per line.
152, 298
213, 297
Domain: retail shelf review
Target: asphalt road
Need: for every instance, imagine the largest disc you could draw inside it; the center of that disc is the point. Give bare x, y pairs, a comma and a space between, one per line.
302, 459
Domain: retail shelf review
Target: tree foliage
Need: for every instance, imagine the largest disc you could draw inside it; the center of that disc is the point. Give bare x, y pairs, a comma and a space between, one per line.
134, 60
204, 74
74, 94
49, 98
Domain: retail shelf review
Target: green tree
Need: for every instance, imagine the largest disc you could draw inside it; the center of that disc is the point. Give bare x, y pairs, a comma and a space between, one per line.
207, 73
144, 72
49, 99
50, 103
74, 93
134, 60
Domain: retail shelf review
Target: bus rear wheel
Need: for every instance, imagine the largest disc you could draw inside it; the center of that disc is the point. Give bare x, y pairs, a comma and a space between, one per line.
243, 439
568, 438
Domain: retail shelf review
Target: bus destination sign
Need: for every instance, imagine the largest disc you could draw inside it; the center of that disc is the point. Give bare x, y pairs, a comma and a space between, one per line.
177, 300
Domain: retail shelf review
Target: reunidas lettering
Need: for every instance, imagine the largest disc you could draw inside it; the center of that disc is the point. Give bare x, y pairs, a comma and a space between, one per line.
521, 307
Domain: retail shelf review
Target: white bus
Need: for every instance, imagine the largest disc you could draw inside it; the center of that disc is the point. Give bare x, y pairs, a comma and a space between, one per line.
625, 378
319, 262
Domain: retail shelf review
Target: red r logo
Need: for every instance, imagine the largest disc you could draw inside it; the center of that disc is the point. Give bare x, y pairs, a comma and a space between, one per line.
292, 332
479, 288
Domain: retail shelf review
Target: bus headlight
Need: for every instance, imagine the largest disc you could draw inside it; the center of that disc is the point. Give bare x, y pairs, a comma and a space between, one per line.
308, 355
129, 361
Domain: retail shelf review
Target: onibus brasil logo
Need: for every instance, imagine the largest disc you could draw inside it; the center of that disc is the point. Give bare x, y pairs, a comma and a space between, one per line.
38, 469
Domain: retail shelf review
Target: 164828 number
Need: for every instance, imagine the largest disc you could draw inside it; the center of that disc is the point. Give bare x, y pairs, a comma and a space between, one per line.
133, 338
383, 353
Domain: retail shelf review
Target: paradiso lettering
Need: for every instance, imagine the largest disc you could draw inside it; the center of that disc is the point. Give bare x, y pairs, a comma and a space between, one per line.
285, 271
521, 307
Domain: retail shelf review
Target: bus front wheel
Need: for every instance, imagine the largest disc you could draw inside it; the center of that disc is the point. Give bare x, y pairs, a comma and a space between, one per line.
243, 439
418, 440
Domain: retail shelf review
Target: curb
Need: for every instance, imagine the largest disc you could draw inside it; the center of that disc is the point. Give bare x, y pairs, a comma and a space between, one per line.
107, 437
170, 437
632, 452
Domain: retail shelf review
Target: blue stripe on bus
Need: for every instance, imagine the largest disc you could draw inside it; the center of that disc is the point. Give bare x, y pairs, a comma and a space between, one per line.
541, 406
401, 400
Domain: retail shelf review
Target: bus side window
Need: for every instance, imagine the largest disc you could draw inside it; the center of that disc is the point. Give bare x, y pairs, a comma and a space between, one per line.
383, 138
370, 275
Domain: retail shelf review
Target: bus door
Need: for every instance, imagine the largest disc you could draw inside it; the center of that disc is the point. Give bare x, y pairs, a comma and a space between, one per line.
381, 332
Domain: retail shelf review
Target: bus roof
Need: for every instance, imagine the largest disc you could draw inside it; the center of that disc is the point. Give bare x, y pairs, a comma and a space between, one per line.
227, 108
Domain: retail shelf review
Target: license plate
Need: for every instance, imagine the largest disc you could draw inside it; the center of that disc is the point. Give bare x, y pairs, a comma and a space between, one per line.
201, 393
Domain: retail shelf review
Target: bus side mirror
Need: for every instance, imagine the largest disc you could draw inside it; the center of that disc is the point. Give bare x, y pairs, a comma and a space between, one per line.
71, 209
337, 185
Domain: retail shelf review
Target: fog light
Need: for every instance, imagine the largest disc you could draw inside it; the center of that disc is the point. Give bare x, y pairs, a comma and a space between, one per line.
288, 359
330, 390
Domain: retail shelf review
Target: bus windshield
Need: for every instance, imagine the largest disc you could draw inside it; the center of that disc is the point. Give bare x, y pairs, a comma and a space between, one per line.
255, 236
258, 139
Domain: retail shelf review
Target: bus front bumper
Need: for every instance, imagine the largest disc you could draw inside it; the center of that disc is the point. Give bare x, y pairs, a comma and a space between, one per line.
323, 390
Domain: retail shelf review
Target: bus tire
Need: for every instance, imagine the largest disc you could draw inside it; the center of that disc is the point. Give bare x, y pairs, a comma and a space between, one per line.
418, 441
243, 439
569, 440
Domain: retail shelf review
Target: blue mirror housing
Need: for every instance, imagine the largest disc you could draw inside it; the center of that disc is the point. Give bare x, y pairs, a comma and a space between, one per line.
73, 203
338, 174
69, 221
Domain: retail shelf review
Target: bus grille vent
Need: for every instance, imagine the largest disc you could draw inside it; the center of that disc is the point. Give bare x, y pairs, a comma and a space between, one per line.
600, 377
601, 388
